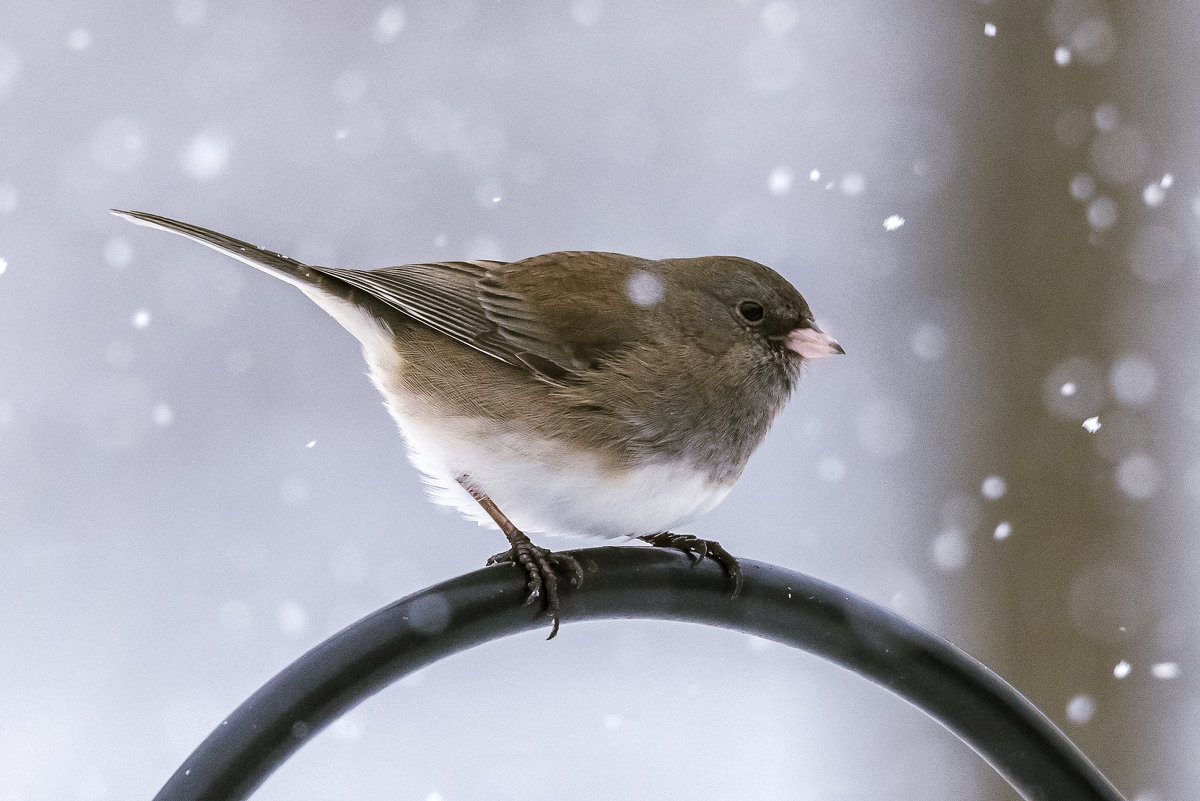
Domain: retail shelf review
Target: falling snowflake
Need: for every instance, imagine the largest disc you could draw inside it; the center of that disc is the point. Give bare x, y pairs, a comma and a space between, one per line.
1165, 670
993, 488
389, 23
779, 181
893, 222
1081, 709
1092, 425
644, 289
207, 155
1154, 194
79, 39
162, 414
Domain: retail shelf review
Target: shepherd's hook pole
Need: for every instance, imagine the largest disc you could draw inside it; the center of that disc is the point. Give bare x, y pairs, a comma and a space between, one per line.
977, 705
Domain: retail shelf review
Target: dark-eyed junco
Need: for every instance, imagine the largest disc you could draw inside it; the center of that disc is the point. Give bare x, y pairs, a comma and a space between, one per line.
579, 392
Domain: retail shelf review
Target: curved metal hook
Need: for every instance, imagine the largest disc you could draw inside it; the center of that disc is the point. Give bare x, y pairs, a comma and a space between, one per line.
981, 708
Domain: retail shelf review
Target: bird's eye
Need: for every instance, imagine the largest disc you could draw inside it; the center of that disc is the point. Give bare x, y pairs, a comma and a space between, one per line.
751, 311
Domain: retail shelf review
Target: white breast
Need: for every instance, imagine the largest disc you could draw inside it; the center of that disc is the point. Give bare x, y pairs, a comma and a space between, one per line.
547, 488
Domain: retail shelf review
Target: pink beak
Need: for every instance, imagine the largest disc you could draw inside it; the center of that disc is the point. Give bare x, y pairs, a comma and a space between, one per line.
813, 343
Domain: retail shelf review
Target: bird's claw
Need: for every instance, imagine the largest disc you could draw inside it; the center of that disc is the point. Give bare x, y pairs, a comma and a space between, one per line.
542, 567
698, 550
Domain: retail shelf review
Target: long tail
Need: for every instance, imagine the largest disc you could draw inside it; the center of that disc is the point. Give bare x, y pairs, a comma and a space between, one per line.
357, 311
280, 266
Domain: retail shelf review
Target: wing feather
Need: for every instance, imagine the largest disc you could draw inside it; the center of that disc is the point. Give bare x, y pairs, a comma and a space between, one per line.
462, 301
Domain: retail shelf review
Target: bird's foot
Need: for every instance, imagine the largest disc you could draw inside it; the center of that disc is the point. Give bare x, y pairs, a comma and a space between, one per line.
697, 549
542, 566
540, 563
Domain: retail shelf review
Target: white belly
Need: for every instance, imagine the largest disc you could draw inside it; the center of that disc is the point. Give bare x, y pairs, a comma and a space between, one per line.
544, 487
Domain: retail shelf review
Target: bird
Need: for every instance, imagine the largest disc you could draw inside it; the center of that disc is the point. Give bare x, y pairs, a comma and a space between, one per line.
575, 393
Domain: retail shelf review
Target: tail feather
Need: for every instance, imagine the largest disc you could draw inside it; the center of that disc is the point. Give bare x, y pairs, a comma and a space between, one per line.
280, 266
358, 312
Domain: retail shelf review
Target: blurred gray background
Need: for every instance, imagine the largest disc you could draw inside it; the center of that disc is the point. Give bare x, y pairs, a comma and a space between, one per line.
197, 483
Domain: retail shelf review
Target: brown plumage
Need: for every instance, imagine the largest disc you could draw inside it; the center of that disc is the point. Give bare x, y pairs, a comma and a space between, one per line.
578, 392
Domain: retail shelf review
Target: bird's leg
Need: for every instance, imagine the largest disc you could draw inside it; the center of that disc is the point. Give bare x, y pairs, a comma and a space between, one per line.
539, 563
697, 549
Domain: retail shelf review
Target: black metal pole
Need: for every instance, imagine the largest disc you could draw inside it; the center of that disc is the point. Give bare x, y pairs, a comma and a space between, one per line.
630, 582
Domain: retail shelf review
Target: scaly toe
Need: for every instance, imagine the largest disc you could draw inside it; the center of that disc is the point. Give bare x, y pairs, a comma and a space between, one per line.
542, 567
698, 550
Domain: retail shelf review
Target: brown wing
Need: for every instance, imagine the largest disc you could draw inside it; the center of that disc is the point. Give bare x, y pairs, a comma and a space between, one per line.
557, 315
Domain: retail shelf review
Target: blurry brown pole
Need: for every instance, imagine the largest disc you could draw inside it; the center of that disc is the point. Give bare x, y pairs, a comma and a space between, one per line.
1055, 303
